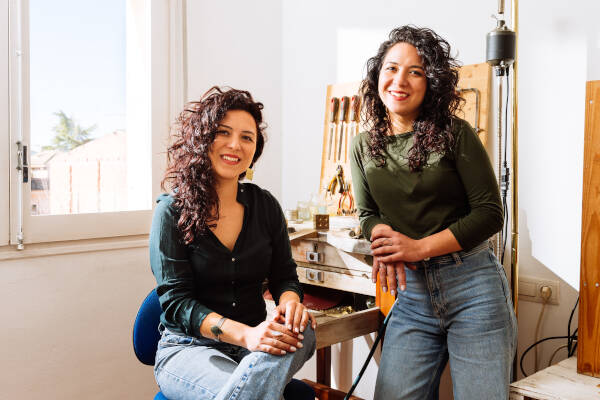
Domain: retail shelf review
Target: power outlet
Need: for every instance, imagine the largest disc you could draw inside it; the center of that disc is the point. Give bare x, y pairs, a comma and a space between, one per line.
530, 289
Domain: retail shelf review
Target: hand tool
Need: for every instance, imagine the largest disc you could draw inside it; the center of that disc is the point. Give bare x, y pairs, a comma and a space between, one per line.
354, 115
333, 111
342, 119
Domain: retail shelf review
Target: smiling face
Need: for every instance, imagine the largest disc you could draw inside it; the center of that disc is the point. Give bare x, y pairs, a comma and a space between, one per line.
402, 84
233, 149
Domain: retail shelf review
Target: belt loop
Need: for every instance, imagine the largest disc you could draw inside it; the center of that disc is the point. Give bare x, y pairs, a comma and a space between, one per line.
457, 259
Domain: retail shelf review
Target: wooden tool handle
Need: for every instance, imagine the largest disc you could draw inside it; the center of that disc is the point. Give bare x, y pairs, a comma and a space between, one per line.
333, 109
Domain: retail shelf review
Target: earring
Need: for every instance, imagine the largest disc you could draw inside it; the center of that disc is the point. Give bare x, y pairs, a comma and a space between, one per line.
249, 173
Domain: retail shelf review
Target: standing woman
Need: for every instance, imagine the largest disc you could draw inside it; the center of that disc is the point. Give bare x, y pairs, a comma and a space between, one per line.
213, 243
428, 200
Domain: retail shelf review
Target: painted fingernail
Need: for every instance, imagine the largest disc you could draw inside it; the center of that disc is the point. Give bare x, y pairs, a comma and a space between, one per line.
292, 348
393, 292
374, 280
301, 329
384, 289
296, 330
283, 351
290, 327
402, 288
300, 336
300, 345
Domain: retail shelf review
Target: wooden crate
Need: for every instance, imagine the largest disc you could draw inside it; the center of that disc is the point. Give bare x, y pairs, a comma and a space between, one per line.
588, 347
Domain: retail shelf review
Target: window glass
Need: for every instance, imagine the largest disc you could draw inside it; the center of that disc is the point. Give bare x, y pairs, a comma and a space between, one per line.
78, 108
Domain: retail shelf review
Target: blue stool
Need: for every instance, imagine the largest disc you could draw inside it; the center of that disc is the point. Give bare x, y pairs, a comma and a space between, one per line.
146, 337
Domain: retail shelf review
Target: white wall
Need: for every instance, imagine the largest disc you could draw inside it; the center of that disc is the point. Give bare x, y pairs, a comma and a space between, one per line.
238, 44
67, 323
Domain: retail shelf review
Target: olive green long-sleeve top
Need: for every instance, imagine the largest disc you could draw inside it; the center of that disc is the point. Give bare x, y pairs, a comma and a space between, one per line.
456, 191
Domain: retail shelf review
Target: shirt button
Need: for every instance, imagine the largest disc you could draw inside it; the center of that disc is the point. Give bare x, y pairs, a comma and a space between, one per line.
233, 304
232, 259
233, 282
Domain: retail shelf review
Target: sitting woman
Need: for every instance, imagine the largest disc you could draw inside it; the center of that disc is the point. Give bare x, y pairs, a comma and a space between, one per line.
213, 243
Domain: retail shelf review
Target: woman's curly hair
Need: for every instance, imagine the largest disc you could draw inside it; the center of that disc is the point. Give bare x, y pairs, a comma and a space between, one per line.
189, 170
433, 126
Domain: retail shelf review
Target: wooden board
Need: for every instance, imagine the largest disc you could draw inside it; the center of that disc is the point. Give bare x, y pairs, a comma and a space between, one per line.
558, 382
588, 347
476, 76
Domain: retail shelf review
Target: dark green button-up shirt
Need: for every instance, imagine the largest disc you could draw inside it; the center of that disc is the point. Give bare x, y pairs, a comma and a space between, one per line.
205, 276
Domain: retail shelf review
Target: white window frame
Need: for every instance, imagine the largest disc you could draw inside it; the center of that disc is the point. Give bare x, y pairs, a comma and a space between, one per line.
4, 138
166, 97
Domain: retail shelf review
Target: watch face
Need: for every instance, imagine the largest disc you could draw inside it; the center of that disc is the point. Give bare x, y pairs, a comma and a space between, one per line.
216, 331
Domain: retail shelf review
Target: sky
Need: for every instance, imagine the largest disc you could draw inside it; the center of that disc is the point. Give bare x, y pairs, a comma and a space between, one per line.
77, 65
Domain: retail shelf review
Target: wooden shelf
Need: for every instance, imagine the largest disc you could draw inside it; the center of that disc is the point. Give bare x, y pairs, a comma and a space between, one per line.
558, 382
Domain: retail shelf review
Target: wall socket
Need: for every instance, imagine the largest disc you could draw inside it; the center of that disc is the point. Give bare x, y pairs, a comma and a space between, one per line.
530, 289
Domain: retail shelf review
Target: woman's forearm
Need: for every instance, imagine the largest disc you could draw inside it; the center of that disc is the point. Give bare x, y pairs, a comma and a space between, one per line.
233, 332
439, 243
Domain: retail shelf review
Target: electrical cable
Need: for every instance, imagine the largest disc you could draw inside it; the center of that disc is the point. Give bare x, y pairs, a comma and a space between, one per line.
570, 340
366, 363
537, 335
573, 339
532, 346
564, 346
505, 176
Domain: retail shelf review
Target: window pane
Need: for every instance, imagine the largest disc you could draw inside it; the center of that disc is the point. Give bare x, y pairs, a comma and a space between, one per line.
79, 54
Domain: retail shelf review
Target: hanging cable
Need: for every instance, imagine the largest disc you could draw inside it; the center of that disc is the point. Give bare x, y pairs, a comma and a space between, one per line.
505, 176
532, 346
570, 349
366, 363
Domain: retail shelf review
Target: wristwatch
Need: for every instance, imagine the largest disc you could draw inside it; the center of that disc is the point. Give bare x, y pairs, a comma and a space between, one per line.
216, 329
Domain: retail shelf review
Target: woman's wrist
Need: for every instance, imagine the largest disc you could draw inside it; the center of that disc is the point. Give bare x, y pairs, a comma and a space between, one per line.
289, 296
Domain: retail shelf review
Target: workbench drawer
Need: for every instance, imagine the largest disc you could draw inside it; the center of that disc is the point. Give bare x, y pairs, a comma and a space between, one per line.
336, 278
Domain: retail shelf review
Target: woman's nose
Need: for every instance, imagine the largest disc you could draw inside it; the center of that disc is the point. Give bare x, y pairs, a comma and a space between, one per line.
401, 78
234, 142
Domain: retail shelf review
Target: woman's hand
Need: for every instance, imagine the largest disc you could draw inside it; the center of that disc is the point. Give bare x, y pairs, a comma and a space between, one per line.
391, 275
391, 246
388, 262
294, 315
271, 337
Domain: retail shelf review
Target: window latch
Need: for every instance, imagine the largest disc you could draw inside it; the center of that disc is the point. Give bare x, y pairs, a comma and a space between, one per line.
22, 164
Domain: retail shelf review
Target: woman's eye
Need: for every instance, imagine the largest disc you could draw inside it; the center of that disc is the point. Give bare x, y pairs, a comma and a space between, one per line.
416, 73
248, 138
222, 133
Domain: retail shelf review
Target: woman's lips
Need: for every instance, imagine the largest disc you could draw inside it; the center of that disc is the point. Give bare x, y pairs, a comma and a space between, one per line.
398, 96
230, 159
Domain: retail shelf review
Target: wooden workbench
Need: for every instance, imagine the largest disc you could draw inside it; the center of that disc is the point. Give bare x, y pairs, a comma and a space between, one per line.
558, 382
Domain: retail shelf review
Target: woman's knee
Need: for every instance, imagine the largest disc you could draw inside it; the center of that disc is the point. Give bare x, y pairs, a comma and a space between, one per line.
309, 343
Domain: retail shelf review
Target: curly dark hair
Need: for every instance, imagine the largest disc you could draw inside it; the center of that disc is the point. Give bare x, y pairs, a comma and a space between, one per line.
433, 126
189, 170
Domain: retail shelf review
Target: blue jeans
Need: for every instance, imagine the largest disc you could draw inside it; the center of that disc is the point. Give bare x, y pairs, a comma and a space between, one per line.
203, 368
458, 308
